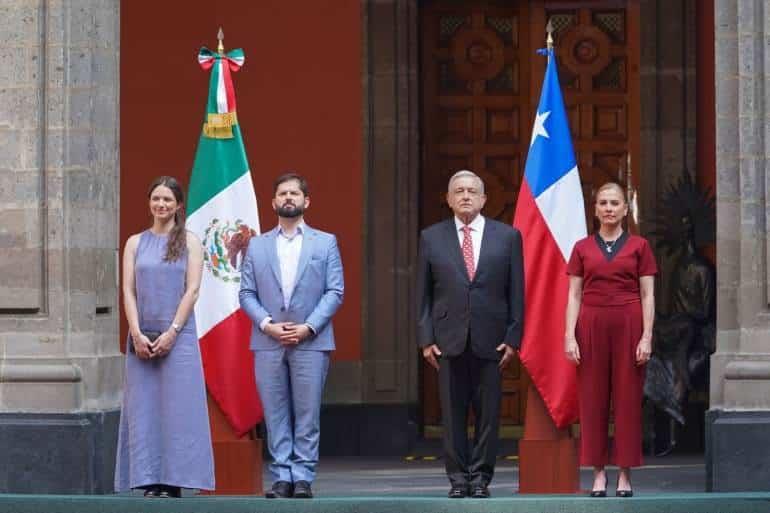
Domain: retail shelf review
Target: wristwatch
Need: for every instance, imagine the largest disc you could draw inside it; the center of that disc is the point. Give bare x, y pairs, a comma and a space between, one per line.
176, 327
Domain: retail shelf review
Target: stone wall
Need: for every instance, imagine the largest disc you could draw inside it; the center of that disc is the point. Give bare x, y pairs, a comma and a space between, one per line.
59, 161
738, 436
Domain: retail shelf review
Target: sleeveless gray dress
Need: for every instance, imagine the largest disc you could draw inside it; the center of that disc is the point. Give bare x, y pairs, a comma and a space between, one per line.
164, 432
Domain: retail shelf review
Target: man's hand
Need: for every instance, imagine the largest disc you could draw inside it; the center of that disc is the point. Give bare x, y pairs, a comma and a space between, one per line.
293, 334
430, 353
507, 356
277, 330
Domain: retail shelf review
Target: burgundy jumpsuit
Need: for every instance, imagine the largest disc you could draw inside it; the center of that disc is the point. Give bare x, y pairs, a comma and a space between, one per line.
608, 330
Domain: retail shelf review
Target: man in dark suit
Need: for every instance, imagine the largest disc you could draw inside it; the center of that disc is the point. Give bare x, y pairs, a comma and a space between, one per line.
470, 286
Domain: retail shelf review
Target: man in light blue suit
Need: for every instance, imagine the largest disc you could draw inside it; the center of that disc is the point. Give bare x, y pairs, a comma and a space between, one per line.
291, 286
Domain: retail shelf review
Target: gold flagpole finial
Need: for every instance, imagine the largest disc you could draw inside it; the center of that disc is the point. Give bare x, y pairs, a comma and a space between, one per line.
220, 45
549, 38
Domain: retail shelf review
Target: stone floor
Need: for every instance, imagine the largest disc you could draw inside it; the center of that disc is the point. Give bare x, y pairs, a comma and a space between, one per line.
362, 477
421, 477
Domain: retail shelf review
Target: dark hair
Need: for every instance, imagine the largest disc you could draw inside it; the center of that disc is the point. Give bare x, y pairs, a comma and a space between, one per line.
287, 177
177, 237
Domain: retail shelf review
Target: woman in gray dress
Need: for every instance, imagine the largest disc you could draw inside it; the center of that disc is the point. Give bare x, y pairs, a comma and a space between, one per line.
164, 442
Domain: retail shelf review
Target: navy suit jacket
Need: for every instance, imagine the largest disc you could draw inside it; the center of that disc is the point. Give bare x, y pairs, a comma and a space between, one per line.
452, 309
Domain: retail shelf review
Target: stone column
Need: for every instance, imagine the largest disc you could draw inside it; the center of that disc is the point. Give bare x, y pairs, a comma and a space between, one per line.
391, 150
738, 422
60, 368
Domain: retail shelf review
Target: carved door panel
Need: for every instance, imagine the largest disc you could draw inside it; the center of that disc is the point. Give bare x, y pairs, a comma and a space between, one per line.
475, 116
481, 81
597, 46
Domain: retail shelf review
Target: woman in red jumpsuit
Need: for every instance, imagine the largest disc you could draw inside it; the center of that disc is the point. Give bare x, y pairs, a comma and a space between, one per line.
610, 311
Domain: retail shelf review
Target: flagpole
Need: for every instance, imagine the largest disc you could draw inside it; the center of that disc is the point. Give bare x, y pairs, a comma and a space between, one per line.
548, 456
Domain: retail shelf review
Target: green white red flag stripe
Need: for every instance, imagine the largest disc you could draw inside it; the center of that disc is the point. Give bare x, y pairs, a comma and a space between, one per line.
222, 212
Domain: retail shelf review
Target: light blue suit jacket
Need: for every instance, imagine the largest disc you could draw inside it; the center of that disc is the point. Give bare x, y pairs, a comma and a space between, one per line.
317, 294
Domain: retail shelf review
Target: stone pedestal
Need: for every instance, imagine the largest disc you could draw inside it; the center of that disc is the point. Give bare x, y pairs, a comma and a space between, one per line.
60, 369
58, 452
737, 450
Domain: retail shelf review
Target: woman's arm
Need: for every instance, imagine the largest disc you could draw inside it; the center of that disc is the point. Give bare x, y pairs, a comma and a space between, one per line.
142, 345
574, 297
647, 292
190, 296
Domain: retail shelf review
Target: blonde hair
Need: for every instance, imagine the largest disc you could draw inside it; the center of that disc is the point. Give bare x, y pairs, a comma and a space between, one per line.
611, 185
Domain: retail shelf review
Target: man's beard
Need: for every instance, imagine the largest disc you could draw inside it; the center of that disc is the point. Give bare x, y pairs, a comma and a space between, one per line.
290, 211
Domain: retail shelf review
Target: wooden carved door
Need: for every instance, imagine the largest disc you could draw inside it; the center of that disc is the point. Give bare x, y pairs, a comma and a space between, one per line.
597, 47
481, 82
475, 116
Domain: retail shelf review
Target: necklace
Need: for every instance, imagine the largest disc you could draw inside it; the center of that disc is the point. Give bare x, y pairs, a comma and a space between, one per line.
609, 245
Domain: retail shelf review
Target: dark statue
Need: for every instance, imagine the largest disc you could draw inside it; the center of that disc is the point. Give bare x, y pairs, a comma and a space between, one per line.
685, 336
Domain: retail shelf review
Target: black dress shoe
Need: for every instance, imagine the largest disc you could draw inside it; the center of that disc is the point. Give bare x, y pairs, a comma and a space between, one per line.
458, 491
480, 492
302, 490
280, 490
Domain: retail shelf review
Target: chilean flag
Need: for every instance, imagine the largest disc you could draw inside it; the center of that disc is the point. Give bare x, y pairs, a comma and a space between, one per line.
550, 215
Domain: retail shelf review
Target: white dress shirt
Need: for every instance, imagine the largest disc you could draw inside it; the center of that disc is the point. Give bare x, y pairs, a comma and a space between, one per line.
477, 232
288, 249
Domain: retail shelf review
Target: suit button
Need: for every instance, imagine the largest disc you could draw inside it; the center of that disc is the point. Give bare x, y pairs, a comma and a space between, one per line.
283, 309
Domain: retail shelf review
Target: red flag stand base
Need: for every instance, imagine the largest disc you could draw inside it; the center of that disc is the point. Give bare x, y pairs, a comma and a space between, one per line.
548, 457
237, 461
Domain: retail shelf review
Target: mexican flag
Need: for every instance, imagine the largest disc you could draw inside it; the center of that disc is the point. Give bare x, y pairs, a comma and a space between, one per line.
222, 211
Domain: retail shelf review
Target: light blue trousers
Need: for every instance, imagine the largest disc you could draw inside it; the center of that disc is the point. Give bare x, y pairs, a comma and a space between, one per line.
290, 383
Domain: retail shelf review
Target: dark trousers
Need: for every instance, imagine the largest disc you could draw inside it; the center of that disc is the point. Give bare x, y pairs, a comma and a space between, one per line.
465, 381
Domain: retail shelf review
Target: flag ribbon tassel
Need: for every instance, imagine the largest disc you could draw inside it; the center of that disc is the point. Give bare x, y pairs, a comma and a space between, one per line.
220, 111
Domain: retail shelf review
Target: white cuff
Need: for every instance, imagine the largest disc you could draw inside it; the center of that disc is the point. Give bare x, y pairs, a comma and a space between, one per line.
267, 320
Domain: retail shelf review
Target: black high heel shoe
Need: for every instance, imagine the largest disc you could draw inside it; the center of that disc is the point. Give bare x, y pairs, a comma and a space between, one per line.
600, 493
623, 493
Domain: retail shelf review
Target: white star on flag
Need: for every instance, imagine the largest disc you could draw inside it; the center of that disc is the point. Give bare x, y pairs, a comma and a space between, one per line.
539, 128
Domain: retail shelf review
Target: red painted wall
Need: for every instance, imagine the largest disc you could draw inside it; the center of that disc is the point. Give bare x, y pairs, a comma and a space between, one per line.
299, 106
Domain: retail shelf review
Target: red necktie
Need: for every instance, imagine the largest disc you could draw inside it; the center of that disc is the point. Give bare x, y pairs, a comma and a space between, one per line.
468, 251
